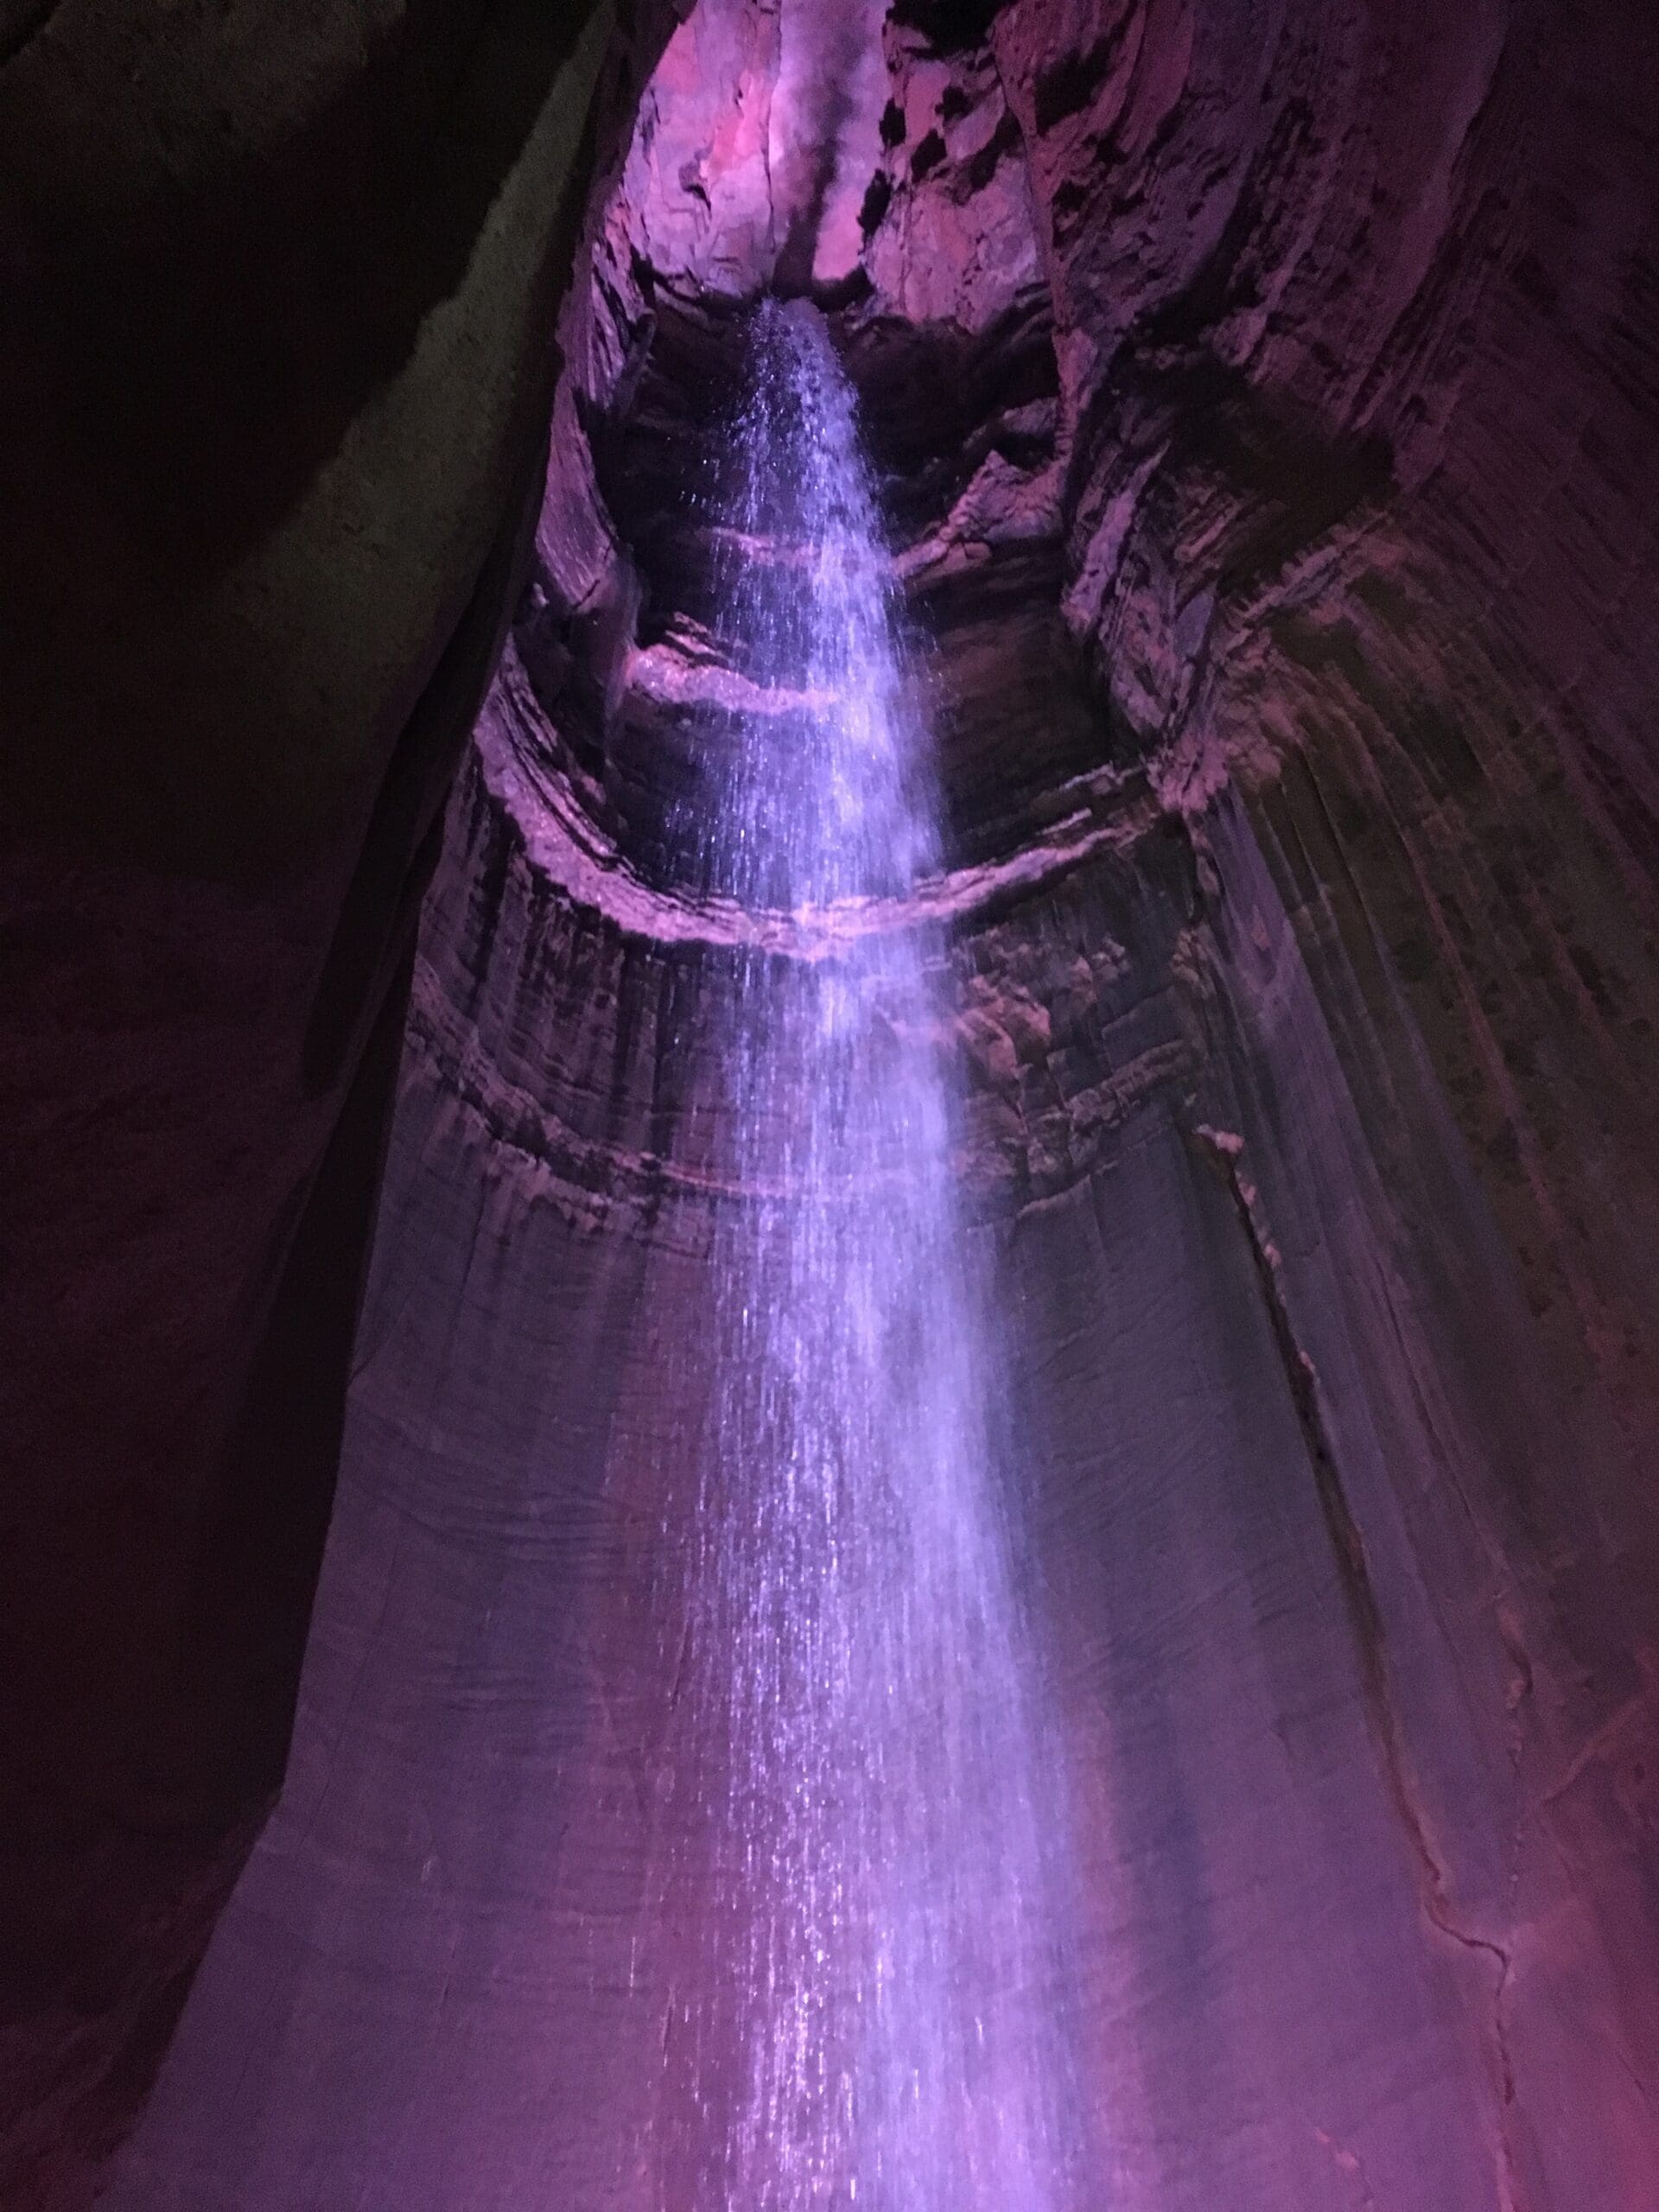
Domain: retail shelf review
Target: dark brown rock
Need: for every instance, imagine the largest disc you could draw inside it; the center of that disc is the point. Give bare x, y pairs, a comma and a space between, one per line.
274, 379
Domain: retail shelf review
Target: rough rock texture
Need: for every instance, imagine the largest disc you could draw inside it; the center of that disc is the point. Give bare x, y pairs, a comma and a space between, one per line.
1358, 396
1266, 398
1355, 317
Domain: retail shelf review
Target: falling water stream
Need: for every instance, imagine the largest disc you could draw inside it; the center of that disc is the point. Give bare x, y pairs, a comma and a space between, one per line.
879, 2024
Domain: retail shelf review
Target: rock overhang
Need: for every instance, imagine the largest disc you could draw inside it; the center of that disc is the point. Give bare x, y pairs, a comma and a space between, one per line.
878, 172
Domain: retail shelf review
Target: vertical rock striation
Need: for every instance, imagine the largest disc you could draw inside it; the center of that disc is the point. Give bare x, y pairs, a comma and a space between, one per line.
1265, 400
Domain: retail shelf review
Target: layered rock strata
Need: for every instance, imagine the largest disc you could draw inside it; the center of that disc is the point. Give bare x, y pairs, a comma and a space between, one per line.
1266, 402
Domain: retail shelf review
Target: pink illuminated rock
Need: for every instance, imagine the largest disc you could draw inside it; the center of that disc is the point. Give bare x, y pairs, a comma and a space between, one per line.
756, 145
1265, 399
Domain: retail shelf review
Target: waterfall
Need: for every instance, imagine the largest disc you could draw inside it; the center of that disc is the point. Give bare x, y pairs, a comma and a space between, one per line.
887, 1833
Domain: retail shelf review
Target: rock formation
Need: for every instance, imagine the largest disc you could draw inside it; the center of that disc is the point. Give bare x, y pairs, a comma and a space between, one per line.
1268, 402
275, 376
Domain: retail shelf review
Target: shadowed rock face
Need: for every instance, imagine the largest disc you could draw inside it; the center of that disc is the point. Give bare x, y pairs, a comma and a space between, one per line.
1265, 400
275, 382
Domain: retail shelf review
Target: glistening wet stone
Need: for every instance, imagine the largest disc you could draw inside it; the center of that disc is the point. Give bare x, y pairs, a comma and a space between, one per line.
863, 1709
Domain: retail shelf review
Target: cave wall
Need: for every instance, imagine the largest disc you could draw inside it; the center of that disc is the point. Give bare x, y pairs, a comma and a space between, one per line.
1356, 333
1342, 1927
1360, 397
274, 380
1265, 399
446, 1977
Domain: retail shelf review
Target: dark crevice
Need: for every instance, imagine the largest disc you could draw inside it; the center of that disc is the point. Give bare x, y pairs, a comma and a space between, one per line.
948, 26
929, 154
1003, 140
877, 200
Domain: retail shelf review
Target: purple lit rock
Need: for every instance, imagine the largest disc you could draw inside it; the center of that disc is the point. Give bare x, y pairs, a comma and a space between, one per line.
1265, 400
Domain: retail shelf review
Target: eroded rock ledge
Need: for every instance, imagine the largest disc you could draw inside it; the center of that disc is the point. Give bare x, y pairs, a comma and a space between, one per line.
1265, 400
583, 1012
1266, 452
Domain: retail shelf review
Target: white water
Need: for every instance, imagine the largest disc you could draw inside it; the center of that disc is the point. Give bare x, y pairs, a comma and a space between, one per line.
878, 2024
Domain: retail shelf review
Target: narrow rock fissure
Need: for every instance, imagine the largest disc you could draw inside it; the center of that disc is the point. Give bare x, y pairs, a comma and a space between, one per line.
1224, 1150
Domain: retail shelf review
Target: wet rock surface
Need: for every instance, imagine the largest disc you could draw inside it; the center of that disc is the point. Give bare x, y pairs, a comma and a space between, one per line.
1266, 405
